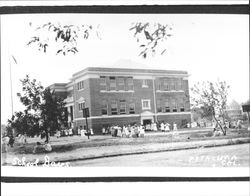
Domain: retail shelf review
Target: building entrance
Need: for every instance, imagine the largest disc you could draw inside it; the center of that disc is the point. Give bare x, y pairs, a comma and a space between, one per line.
146, 121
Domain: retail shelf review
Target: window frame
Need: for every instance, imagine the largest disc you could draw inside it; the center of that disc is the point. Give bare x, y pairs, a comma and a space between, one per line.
131, 111
104, 107
130, 83
80, 85
149, 104
103, 84
111, 108
112, 81
167, 106
81, 106
181, 105
145, 83
158, 105
174, 105
121, 84
123, 102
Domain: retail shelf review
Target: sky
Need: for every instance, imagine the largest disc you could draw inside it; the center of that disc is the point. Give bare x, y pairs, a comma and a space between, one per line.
208, 46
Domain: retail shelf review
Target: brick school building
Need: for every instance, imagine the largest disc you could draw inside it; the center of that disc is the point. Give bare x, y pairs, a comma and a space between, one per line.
122, 96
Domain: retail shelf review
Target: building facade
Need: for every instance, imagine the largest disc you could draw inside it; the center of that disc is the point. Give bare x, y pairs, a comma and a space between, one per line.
118, 96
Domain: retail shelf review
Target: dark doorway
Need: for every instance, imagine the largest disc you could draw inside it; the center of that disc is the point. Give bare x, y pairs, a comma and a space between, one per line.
147, 121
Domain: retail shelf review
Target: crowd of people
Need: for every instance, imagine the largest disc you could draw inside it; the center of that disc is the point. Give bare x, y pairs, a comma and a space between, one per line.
64, 132
81, 131
125, 131
137, 130
129, 130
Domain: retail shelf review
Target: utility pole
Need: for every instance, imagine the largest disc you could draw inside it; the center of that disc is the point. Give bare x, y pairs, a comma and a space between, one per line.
154, 96
85, 112
11, 93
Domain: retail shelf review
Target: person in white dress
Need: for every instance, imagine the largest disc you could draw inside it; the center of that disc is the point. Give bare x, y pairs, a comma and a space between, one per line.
66, 132
103, 131
70, 132
162, 127
154, 127
126, 131
166, 127
175, 127
119, 131
123, 131
91, 132
142, 131
82, 132
132, 129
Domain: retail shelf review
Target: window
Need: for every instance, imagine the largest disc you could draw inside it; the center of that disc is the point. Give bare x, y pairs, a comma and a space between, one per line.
145, 83
158, 84
179, 85
121, 83
122, 107
166, 106
131, 108
174, 105
80, 85
146, 104
166, 85
112, 83
103, 83
183, 84
104, 108
181, 105
81, 106
172, 84
114, 109
130, 83
158, 105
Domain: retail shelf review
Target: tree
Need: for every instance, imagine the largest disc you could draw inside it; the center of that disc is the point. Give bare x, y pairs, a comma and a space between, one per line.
44, 110
24, 123
53, 112
31, 96
201, 113
150, 37
63, 37
212, 97
27, 122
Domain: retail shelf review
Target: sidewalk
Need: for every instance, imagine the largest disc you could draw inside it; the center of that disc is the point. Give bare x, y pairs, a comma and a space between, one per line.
111, 151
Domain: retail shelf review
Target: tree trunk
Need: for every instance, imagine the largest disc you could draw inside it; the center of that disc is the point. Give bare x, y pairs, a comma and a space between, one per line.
46, 136
222, 129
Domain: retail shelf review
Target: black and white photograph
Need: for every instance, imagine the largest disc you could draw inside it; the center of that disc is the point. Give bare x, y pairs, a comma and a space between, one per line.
102, 92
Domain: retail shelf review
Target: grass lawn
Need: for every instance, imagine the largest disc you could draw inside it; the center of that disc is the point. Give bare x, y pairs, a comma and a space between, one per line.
65, 144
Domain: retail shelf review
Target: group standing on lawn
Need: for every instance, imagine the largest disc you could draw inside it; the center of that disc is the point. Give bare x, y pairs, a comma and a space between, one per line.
126, 131
137, 130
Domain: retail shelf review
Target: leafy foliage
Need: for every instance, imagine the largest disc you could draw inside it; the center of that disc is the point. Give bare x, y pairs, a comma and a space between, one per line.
32, 94
151, 37
24, 123
53, 111
44, 110
66, 36
211, 98
201, 113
